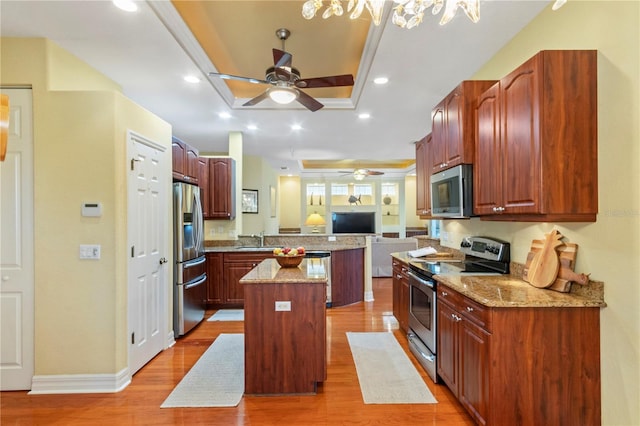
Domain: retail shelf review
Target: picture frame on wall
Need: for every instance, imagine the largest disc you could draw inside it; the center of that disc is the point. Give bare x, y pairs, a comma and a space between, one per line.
250, 201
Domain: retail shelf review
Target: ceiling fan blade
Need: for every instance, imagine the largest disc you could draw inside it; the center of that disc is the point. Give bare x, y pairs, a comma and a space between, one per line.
374, 173
310, 103
281, 58
329, 81
236, 77
261, 97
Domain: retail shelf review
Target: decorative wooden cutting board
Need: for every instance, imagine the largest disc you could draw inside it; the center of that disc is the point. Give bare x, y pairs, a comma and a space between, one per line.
565, 275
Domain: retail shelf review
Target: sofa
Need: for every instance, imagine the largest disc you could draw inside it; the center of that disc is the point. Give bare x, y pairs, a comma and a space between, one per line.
381, 249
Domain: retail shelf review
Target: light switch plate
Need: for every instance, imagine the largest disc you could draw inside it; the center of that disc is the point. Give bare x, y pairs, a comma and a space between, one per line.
89, 251
283, 305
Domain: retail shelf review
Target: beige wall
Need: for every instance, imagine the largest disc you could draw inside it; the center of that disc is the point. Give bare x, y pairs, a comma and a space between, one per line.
80, 122
609, 248
289, 204
259, 175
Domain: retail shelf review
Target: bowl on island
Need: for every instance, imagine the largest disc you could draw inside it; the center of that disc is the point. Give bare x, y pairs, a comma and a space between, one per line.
288, 257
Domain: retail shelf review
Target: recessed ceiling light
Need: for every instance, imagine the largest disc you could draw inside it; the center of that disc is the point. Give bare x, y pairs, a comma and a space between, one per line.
296, 127
364, 115
252, 127
126, 5
224, 115
381, 80
191, 79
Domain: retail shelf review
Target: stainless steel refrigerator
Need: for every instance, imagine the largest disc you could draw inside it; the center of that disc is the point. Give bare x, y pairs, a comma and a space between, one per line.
190, 272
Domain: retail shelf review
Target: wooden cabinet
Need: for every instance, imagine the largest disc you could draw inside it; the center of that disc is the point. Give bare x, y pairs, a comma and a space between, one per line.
423, 176
347, 276
400, 293
203, 184
222, 188
215, 278
516, 365
184, 160
237, 265
453, 126
285, 350
536, 148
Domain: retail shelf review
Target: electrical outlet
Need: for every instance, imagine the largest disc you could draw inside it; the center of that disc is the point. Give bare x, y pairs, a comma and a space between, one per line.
89, 251
332, 238
283, 305
444, 236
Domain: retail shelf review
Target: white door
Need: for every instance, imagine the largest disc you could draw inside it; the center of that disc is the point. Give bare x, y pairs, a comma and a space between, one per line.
148, 288
16, 249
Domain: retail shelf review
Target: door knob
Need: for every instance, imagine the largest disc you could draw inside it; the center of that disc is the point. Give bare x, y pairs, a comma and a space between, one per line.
163, 260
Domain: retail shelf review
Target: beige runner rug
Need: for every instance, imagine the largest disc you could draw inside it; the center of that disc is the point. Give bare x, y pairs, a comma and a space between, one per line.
385, 372
216, 379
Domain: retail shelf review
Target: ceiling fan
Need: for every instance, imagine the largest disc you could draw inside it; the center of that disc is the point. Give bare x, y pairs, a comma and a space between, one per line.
359, 174
285, 80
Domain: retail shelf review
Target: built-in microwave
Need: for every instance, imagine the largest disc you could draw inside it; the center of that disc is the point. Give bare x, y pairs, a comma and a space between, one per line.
452, 192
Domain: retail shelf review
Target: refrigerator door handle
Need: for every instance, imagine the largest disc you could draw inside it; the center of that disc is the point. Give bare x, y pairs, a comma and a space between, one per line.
196, 283
198, 223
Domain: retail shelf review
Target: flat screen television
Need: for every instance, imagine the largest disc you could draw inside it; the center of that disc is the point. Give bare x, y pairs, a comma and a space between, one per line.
354, 222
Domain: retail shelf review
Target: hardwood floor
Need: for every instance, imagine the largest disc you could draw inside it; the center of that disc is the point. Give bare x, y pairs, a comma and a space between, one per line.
338, 400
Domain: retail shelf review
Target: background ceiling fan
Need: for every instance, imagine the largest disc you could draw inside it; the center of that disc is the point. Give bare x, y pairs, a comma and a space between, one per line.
285, 80
359, 174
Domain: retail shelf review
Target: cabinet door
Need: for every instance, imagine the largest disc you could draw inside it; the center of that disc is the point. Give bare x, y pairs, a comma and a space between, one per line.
178, 155
203, 184
192, 163
519, 108
438, 134
474, 370
220, 183
423, 175
454, 143
487, 176
234, 292
447, 344
215, 278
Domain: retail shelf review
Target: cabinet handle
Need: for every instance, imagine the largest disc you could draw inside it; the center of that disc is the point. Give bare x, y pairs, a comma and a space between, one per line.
469, 309
456, 318
398, 276
444, 293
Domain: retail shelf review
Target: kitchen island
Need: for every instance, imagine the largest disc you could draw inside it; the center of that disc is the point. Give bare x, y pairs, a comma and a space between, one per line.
284, 328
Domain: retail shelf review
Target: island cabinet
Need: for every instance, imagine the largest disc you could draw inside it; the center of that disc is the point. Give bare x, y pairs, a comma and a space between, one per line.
284, 329
222, 183
536, 147
423, 176
347, 276
400, 284
453, 126
520, 365
184, 160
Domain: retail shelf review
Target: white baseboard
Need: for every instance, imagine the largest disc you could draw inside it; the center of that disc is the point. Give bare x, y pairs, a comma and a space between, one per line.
170, 340
368, 296
80, 383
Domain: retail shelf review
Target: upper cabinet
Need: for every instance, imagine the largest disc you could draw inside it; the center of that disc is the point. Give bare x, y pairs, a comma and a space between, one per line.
184, 160
453, 126
203, 184
423, 175
536, 148
222, 188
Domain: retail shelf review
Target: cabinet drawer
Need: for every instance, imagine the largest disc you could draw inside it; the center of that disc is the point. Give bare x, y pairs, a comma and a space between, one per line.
475, 312
451, 297
247, 257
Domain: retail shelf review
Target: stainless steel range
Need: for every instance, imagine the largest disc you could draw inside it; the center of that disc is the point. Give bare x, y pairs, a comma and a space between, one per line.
483, 256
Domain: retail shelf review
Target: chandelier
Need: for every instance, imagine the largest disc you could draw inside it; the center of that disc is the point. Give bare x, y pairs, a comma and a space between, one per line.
406, 13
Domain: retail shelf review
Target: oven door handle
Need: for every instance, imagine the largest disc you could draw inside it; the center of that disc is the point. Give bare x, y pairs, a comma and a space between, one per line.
420, 280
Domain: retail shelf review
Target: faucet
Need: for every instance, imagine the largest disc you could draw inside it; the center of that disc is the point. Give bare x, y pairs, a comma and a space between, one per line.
261, 238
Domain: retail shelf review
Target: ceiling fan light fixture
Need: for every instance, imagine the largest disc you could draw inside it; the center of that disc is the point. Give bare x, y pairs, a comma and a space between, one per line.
283, 95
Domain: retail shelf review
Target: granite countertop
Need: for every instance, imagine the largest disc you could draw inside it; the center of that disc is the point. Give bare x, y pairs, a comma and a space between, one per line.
511, 291
240, 249
505, 291
310, 271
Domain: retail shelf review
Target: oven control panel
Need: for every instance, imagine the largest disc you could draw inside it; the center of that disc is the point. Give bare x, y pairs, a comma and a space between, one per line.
486, 248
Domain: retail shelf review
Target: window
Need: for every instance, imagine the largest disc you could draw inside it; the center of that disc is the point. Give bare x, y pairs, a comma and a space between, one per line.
339, 189
362, 189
